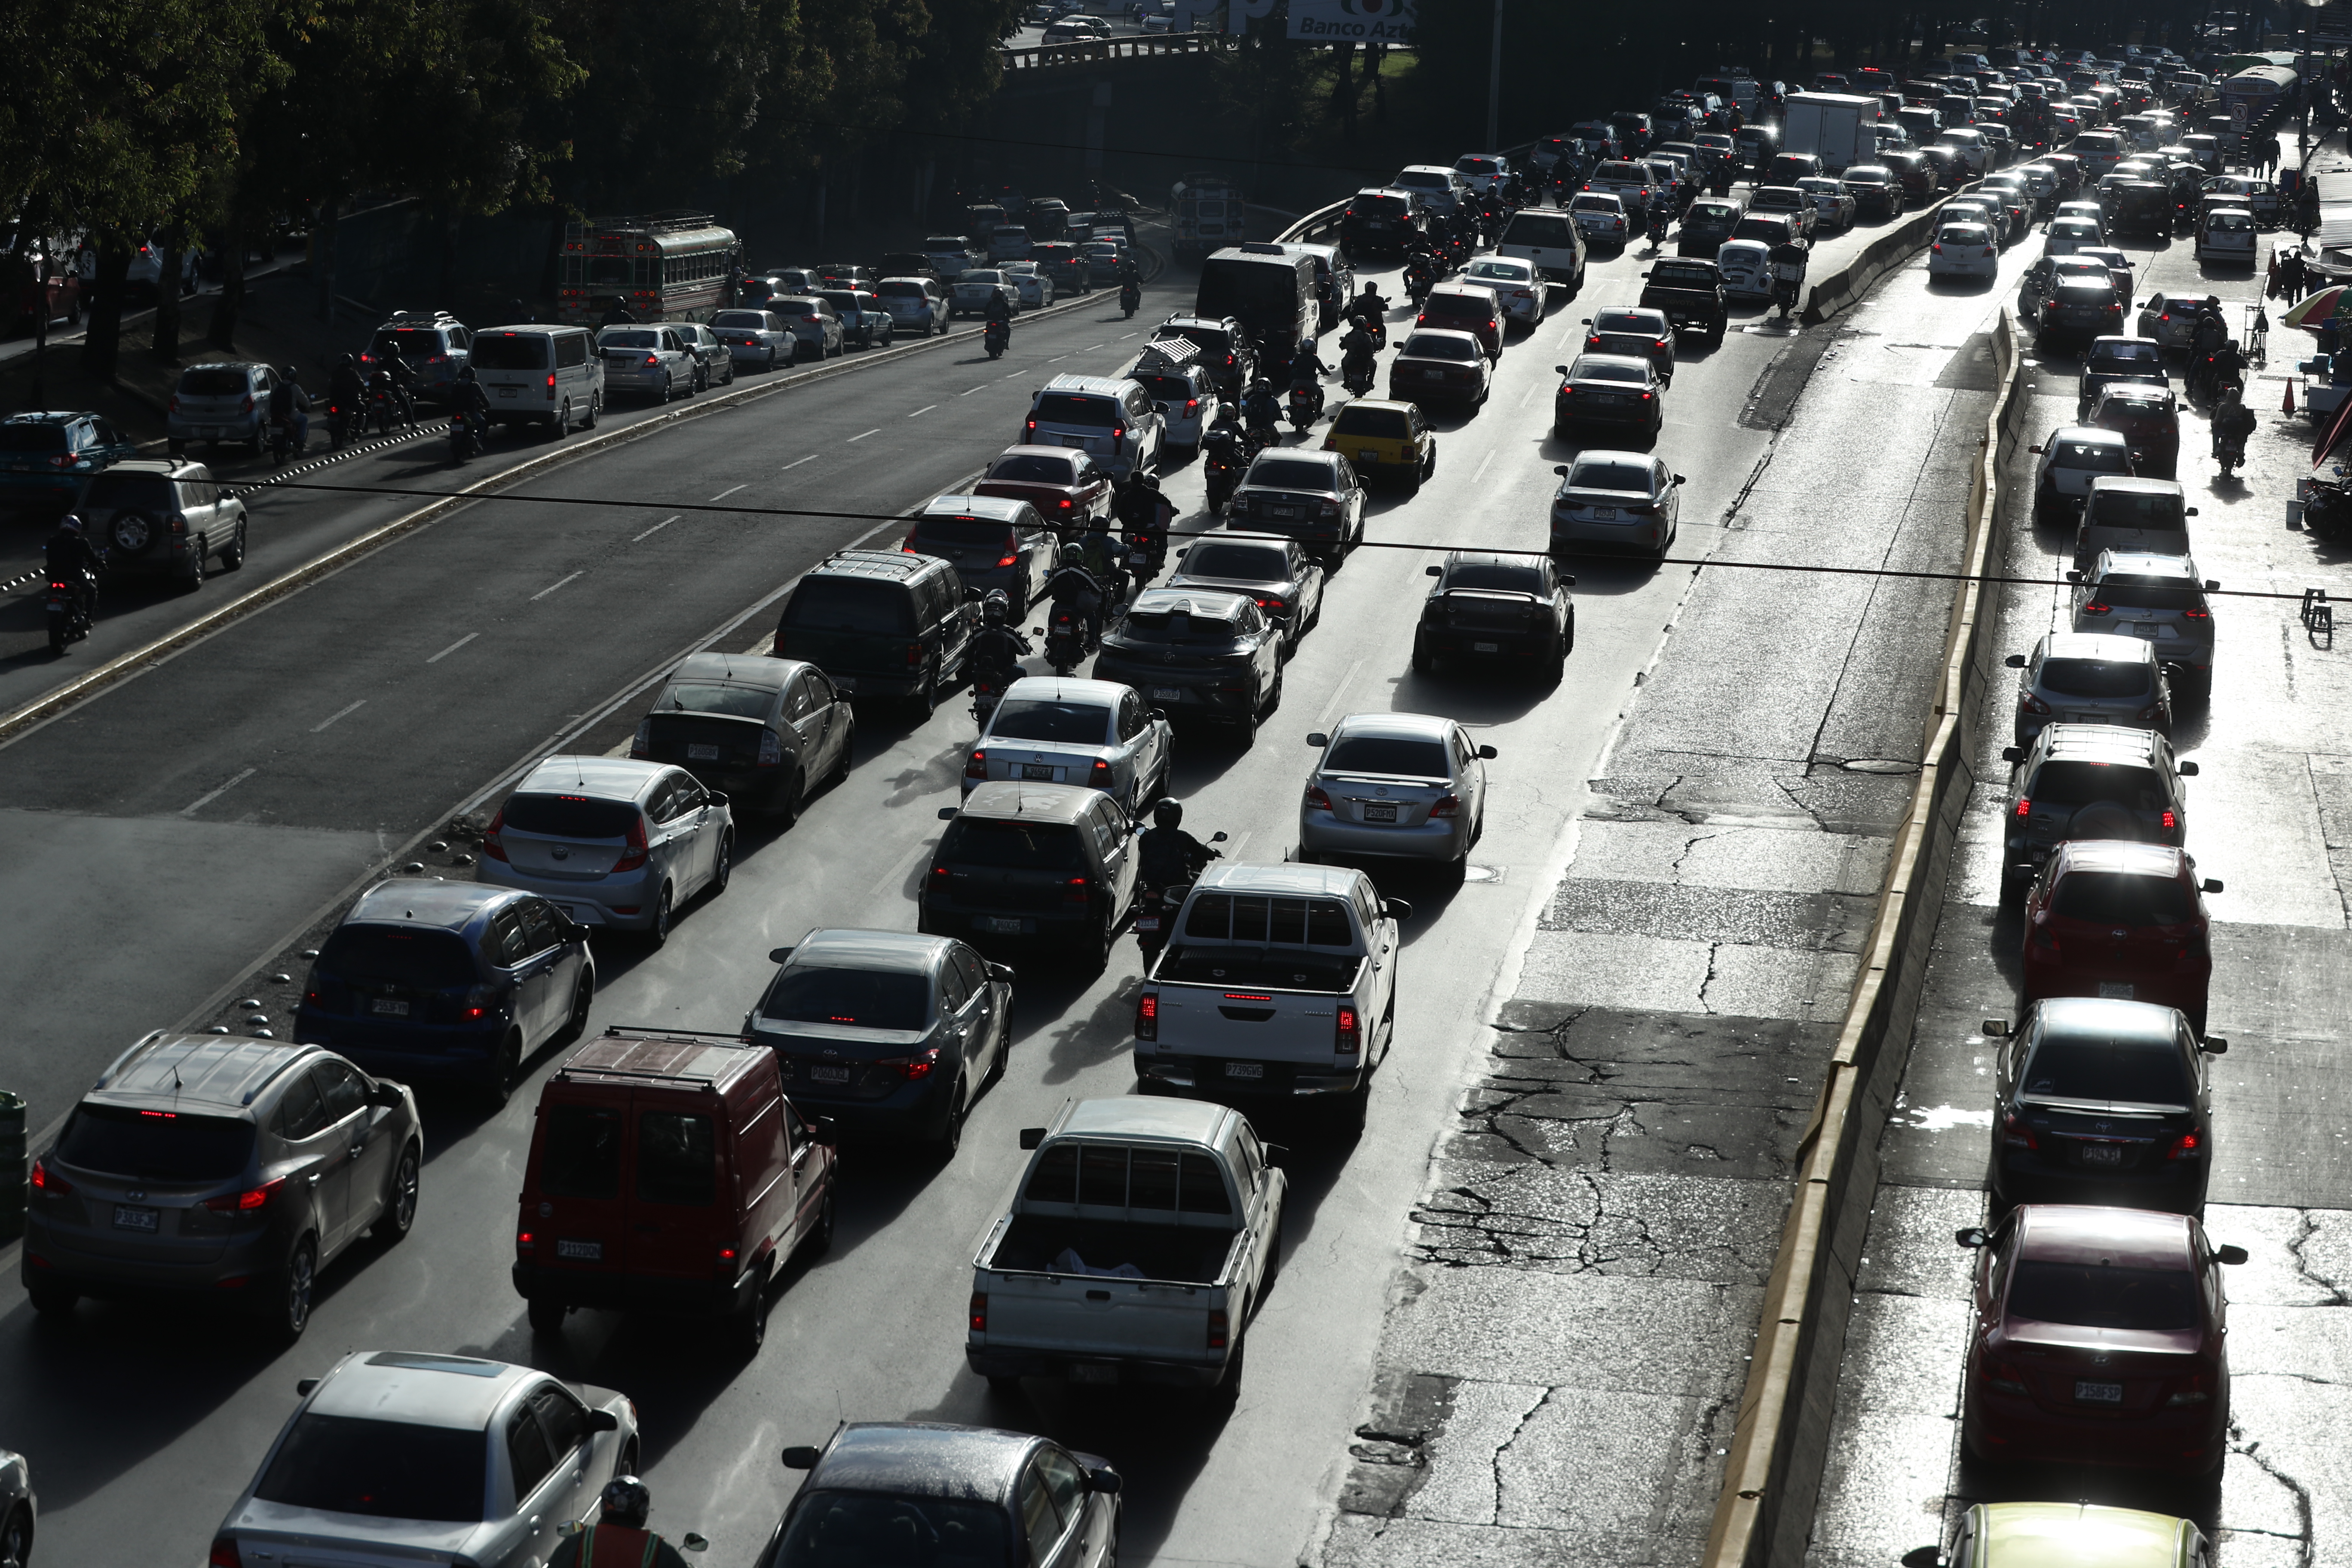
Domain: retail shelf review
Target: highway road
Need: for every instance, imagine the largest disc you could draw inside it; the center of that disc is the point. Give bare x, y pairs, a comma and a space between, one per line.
184, 830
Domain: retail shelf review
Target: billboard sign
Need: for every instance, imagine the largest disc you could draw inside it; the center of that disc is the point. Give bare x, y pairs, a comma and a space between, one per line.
1353, 21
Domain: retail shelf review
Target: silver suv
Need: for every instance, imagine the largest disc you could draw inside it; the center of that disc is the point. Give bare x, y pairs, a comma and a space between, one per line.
220, 1169
2089, 781
2090, 678
2159, 598
435, 343
612, 842
164, 517
220, 402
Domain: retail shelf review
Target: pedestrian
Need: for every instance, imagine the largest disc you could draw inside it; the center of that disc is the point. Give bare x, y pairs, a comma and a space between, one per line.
2276, 279
2292, 277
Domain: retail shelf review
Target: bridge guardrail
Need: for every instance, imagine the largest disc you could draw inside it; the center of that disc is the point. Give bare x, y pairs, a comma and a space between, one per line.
1048, 57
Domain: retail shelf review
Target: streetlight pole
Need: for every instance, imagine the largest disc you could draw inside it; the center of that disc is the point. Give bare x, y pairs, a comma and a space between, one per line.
1494, 84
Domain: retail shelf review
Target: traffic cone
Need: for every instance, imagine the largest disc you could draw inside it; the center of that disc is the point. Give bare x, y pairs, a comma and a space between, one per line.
2288, 409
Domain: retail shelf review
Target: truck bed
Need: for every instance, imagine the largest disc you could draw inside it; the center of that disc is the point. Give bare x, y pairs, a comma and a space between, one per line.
1035, 1244
1281, 969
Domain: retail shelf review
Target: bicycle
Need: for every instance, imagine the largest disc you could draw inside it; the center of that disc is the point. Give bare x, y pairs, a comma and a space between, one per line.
2257, 335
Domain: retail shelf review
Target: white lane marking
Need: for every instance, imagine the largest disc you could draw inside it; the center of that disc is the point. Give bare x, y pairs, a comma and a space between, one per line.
1124, 336
551, 587
469, 637
863, 435
203, 801
1339, 695
926, 408
1482, 467
729, 490
338, 713
1090, 348
659, 526
797, 462
1529, 394
1057, 359
968, 391
1015, 377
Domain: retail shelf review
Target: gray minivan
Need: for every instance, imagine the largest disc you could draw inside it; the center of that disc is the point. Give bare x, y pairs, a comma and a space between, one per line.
540, 375
881, 624
2148, 517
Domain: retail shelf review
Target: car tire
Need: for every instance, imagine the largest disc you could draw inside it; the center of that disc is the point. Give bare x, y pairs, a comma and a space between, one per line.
232, 556
785, 810
751, 1325
657, 930
584, 997
1228, 1391
819, 1240
545, 1317
595, 402
16, 1538
285, 1311
399, 1213
563, 420
1095, 956
195, 576
730, 371
52, 1303
842, 759
505, 1072
924, 701
1424, 661
666, 388
724, 870
951, 1137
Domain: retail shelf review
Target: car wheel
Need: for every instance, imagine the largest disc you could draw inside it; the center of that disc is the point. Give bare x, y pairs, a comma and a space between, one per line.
723, 870
232, 556
841, 758
1424, 661
17, 1539
195, 577
563, 420
51, 1301
583, 997
399, 1215
1557, 671
666, 390
506, 1071
925, 700
752, 1325
1229, 1388
595, 402
819, 1239
658, 933
786, 809
1095, 956
952, 1135
546, 1317
730, 371
287, 1307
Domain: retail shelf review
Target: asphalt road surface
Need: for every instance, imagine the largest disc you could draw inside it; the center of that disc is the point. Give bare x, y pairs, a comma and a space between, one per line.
189, 823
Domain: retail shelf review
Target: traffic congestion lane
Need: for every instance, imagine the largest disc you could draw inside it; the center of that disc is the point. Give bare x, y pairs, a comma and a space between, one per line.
874, 1330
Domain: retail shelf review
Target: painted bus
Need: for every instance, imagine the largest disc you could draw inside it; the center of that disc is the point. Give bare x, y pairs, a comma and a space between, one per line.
659, 267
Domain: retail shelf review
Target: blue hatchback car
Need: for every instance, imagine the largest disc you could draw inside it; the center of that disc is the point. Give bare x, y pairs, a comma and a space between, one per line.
430, 982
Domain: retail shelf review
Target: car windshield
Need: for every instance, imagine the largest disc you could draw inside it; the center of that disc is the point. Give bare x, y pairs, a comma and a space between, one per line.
1075, 408
1602, 370
569, 815
1495, 576
851, 605
871, 1529
2172, 594
1425, 346
1290, 474
156, 1146
2123, 899
734, 701
1242, 562
383, 1470
1398, 756
510, 351
1051, 718
1026, 468
2093, 456
1603, 475
616, 338
994, 842
962, 531
1355, 419
2138, 509
749, 320
870, 999
404, 955
2074, 783
212, 381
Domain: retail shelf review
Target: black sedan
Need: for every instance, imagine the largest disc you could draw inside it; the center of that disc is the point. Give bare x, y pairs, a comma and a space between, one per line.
1877, 191
905, 1491
1440, 365
1506, 609
1312, 497
1616, 390
1198, 654
2081, 308
1276, 573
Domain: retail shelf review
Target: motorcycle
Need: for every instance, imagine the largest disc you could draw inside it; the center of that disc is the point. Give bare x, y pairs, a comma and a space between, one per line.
1261, 431
1419, 276
1356, 374
1223, 475
2229, 452
1130, 296
1065, 639
1659, 217
344, 420
987, 691
995, 336
1784, 295
1156, 909
1306, 403
281, 439
383, 408
464, 442
69, 609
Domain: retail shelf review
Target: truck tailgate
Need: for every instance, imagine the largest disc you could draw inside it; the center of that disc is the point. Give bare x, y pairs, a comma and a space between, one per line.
1095, 1316
1269, 1026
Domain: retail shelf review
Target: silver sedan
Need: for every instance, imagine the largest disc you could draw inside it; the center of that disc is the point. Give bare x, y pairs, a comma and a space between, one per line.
1036, 288
714, 361
755, 337
1615, 500
648, 360
1394, 786
1055, 730
972, 290
17, 1511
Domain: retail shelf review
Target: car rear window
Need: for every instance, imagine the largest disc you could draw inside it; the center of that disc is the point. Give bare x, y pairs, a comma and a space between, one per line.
1355, 419
741, 320
1242, 562
1496, 578
1399, 756
963, 532
994, 842
2148, 593
579, 1156
1966, 234
510, 351
622, 340
842, 299
570, 815
1033, 470
866, 998
2075, 783
129, 492
2137, 508
2095, 677
2141, 428
409, 343
676, 1158
1246, 917
1468, 307
32, 435
842, 1527
1290, 474
1622, 170
1175, 626
1424, 346
714, 697
1073, 408
891, 288
212, 381
156, 1146
1609, 476
1051, 718
1169, 389
1666, 275
1547, 229
2123, 899
2094, 456
428, 960
2102, 1296
851, 605
383, 1470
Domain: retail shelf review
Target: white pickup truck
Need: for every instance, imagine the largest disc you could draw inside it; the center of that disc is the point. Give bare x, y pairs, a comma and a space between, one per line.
1277, 981
1143, 1234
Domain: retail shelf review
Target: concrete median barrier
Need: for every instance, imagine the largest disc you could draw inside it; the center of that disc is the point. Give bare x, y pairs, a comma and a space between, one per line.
1832, 292
1763, 1515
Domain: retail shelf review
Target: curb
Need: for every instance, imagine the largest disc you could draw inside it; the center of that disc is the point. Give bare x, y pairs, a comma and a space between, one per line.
1780, 1446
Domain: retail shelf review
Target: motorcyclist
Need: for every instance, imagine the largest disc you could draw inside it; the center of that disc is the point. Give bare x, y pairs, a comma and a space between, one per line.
1100, 550
395, 369
1373, 310
1661, 212
2232, 421
999, 310
1167, 855
2205, 341
618, 316
998, 649
1221, 446
347, 390
467, 398
72, 559
1787, 268
2226, 370
1073, 588
290, 404
1356, 352
1261, 410
619, 1538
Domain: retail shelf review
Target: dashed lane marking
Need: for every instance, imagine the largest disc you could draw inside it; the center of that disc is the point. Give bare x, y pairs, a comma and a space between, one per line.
659, 526
968, 391
462, 641
722, 495
338, 713
797, 462
209, 797
551, 587
926, 408
862, 434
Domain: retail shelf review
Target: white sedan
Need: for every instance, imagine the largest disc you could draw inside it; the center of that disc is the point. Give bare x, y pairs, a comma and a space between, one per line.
1036, 288
973, 290
2226, 235
1964, 250
1057, 729
1515, 285
2069, 235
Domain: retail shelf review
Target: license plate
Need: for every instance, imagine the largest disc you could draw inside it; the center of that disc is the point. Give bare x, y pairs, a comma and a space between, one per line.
1245, 1070
580, 1251
1077, 441
2149, 629
1037, 771
699, 753
1613, 399
1003, 926
1366, 455
2114, 991
1376, 223
1147, 922
2099, 1393
1385, 812
845, 682
508, 391
1282, 510
1486, 648
822, 1074
1168, 694
1432, 376
1093, 1372
384, 1006
2086, 717
129, 1217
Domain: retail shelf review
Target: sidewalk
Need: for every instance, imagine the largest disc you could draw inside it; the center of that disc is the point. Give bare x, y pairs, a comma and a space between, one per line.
1567, 1346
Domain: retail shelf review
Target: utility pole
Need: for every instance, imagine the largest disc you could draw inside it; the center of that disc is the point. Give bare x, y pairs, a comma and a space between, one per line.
1494, 84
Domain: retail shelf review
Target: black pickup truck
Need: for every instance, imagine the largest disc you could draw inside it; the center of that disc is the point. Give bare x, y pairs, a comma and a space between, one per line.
1689, 290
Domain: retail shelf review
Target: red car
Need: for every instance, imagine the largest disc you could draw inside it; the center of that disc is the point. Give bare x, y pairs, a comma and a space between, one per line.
1066, 486
1469, 307
2100, 1339
2122, 920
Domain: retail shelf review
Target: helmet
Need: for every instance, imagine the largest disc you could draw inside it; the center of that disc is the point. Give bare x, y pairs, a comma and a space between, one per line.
1071, 555
1151, 481
1357, 322
467, 374
292, 374
1168, 814
627, 1502
991, 608
345, 362
70, 523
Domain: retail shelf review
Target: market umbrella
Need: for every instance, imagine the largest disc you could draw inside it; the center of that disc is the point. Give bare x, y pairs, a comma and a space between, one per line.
2310, 313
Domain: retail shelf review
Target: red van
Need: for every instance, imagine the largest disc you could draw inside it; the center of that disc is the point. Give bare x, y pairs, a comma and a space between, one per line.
669, 1174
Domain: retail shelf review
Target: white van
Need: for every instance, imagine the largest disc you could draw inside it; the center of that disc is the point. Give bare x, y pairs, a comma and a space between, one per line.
540, 375
1008, 242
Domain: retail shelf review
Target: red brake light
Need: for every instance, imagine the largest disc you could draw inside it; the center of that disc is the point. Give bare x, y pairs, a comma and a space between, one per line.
523, 1242
492, 845
638, 853
2187, 1146
1146, 1016
2024, 807
2096, 609
2170, 821
47, 1181
1217, 1327
245, 1202
1008, 559
551, 381
224, 1555
979, 1312
1077, 891
1099, 774
1316, 799
653, 359
2016, 1133
1448, 805
916, 1067
1349, 1038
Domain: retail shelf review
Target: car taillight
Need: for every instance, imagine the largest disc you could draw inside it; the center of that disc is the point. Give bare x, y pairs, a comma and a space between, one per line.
976, 765
1077, 891
2016, 1133
1191, 406
224, 1555
638, 853
2002, 1376
1447, 805
2193, 1391
977, 1314
815, 321
914, 656
1938, 248
1099, 774
2095, 608
247, 1201
916, 1067
47, 1181
1349, 1039
172, 407
551, 381
1217, 1327
2024, 807
492, 845
2170, 821
1032, 427
1146, 1016
2187, 1146
772, 749
653, 359
1316, 799
524, 1242
246, 406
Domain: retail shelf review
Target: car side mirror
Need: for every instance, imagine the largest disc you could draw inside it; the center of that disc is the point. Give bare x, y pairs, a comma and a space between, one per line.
1104, 1479
2191, 512
717, 798
1031, 1137
1487, 753
779, 954
822, 1131
1216, 838
1003, 972
690, 1541
2015, 661
2233, 1256
2012, 753
2211, 884
572, 1527
1995, 1028
1561, 369
603, 1420
1440, 571
1560, 469
801, 1457
2187, 770
1973, 1235
2212, 585
1587, 321
383, 1096
2034, 449
1036, 631
1396, 910
302, 1390
1318, 739
947, 814
2213, 1044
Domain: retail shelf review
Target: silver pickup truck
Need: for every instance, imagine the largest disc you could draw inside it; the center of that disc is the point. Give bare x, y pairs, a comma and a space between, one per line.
1143, 1236
1277, 981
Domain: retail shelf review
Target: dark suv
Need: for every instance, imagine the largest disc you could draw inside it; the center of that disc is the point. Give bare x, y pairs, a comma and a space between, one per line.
881, 624
1193, 652
2089, 781
1379, 220
1512, 609
214, 1168
1226, 351
1052, 865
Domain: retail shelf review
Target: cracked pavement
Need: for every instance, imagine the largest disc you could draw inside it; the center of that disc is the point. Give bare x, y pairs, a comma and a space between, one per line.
1568, 1338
